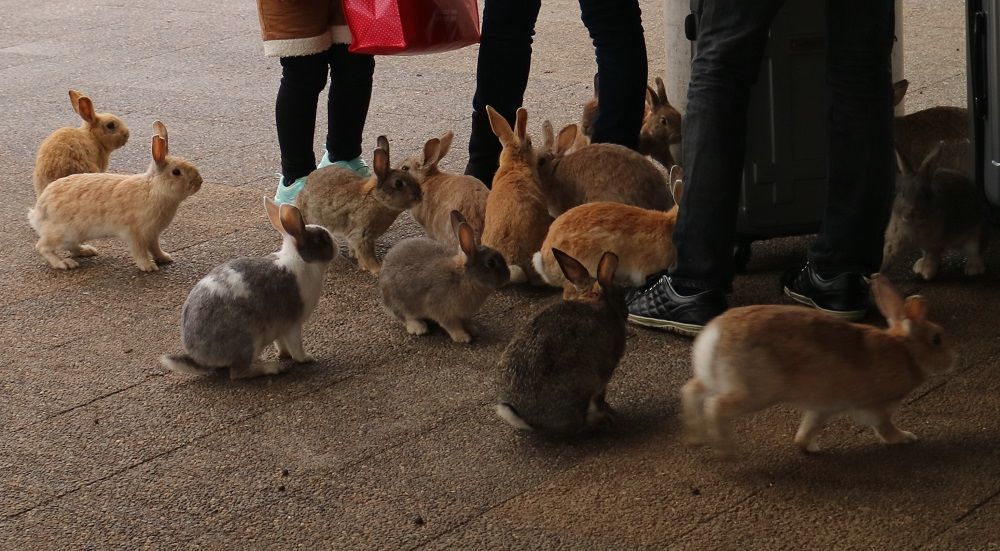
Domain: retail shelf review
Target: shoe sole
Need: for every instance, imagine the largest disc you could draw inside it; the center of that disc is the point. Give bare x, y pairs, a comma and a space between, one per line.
685, 329
852, 315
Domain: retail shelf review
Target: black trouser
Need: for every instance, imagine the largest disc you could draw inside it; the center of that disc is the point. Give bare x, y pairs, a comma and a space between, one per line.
732, 36
505, 60
302, 80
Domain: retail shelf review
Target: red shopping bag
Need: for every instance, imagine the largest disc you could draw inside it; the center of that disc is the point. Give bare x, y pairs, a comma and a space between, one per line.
410, 27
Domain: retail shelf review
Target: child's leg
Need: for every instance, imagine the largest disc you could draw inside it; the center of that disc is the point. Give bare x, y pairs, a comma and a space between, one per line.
350, 94
302, 79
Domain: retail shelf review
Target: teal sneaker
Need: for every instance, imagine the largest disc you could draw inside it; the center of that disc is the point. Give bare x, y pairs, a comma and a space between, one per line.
287, 194
325, 161
356, 164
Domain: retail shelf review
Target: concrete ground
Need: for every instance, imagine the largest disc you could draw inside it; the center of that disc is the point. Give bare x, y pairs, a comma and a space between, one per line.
388, 441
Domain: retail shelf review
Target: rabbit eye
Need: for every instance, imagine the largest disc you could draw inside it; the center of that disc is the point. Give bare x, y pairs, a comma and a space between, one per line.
936, 339
176, 172
490, 263
405, 168
110, 126
663, 121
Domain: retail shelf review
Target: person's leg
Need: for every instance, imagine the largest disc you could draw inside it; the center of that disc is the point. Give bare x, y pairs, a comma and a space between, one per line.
501, 77
616, 29
302, 80
350, 95
732, 36
860, 36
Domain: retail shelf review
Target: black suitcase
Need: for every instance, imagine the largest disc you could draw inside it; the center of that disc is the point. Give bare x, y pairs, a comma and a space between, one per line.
983, 50
784, 182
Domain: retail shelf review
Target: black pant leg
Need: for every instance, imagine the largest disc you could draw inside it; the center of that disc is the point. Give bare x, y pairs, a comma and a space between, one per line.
347, 105
302, 80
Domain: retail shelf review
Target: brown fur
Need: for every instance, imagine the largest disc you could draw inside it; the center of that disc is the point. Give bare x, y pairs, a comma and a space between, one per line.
443, 192
754, 357
641, 239
918, 133
661, 126
597, 172
357, 208
86, 149
136, 207
516, 217
589, 114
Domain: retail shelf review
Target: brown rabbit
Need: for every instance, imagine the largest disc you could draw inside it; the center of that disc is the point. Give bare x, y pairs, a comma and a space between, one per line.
917, 134
640, 237
754, 357
589, 114
79, 150
597, 172
359, 209
661, 126
443, 192
516, 217
134, 207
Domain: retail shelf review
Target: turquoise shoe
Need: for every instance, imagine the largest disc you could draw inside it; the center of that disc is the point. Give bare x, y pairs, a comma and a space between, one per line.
356, 164
287, 194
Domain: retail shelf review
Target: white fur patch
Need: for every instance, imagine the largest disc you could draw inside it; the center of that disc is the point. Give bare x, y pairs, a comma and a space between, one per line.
539, 265
309, 275
703, 354
507, 414
228, 282
517, 275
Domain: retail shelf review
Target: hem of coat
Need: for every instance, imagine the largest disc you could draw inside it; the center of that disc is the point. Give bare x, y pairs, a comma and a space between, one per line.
292, 47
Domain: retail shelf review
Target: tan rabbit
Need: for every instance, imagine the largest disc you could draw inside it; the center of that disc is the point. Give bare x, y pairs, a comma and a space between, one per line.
661, 126
917, 134
357, 208
754, 357
79, 150
589, 114
597, 172
133, 207
640, 237
443, 192
516, 217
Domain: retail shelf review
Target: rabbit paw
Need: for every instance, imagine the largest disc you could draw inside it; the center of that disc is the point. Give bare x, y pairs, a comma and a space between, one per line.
304, 359
164, 258
416, 327
902, 437
460, 335
808, 447
146, 265
63, 263
84, 250
925, 269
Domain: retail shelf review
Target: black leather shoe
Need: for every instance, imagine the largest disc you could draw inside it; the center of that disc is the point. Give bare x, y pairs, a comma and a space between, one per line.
657, 304
845, 295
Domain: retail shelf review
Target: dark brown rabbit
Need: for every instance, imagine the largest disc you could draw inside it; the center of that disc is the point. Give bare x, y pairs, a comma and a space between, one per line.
661, 127
554, 372
918, 133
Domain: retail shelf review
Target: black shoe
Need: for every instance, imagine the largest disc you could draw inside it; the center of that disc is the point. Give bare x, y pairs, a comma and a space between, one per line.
657, 304
845, 295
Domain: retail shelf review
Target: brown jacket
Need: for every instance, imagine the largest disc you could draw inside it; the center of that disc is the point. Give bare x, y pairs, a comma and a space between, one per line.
301, 27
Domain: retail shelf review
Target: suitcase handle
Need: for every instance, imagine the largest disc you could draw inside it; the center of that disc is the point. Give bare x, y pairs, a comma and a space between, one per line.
979, 64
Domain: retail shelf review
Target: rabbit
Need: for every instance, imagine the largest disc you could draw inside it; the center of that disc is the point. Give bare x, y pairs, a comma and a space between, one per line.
425, 279
918, 133
516, 217
133, 207
661, 126
443, 192
640, 237
597, 172
554, 372
754, 357
936, 209
240, 307
358, 208
79, 150
589, 114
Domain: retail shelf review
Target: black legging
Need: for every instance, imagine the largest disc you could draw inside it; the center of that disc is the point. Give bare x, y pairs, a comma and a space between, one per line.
302, 79
615, 27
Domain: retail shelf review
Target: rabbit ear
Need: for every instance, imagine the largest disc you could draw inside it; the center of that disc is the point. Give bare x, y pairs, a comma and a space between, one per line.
606, 269
899, 91
159, 150
902, 162
651, 98
915, 308
575, 272
432, 152
567, 136
381, 163
677, 190
930, 162
661, 91
888, 299
467, 239
500, 126
548, 135
82, 105
272, 214
456, 220
382, 143
521, 123
291, 221
445, 144
161, 130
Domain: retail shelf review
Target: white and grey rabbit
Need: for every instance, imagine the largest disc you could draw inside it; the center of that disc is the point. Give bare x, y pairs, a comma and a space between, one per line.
936, 209
554, 372
240, 307
423, 279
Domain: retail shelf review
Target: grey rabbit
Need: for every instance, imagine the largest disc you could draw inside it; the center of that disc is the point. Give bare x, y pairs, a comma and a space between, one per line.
423, 279
936, 209
554, 372
240, 307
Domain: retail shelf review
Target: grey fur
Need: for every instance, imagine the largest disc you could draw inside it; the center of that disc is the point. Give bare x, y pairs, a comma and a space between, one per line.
560, 363
423, 279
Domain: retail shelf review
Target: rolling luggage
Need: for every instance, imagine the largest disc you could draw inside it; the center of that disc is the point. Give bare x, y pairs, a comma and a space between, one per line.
983, 50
